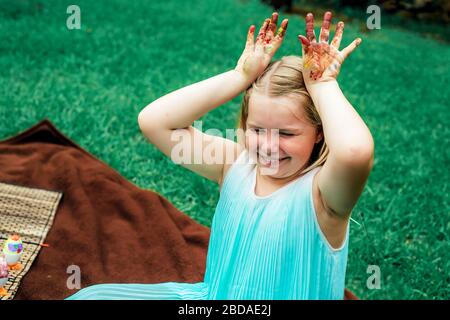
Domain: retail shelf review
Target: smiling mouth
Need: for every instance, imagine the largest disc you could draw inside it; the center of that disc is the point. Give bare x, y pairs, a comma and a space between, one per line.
269, 161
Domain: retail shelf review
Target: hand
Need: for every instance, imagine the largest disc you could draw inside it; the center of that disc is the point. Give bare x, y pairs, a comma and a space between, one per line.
257, 56
321, 61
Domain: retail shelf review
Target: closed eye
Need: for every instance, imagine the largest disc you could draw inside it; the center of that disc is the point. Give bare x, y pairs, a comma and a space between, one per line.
257, 130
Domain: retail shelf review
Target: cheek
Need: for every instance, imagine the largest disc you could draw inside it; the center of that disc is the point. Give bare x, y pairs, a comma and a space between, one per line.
297, 147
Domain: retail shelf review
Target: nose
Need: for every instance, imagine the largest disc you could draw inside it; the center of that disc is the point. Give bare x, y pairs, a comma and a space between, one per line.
269, 142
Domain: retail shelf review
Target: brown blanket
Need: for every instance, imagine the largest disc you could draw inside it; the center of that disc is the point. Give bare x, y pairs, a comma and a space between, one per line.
112, 230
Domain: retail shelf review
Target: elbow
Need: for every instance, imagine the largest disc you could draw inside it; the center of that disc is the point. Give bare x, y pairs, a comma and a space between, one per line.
362, 156
144, 121
358, 154
141, 120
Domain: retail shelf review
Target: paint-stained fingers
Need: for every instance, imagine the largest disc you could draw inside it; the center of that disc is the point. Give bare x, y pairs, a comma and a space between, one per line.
271, 28
350, 48
281, 30
262, 32
325, 30
310, 28
278, 40
307, 57
305, 42
336, 42
250, 44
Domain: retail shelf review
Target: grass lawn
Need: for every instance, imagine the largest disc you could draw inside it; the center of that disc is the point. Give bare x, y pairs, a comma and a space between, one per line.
92, 83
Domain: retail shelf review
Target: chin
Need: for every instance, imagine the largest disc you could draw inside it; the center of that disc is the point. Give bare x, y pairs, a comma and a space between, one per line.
276, 171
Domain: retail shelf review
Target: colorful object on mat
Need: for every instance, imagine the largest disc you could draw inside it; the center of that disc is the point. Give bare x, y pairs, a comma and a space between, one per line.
4, 273
13, 249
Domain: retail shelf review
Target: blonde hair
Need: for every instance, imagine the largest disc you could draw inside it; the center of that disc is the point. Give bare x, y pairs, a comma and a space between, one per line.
284, 78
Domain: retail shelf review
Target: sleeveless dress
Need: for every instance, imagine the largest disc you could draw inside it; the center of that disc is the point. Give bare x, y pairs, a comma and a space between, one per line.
261, 247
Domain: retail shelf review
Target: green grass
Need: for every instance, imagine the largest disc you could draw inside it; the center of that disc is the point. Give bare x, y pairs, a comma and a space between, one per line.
93, 82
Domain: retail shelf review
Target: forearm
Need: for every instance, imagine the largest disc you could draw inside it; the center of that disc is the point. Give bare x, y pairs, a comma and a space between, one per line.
180, 108
346, 134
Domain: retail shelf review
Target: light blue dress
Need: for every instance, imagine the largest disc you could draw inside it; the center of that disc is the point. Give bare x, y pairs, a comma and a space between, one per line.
267, 247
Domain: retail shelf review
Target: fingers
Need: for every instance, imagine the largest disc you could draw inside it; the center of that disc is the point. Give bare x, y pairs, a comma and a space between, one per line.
282, 30
350, 48
262, 32
304, 40
336, 42
306, 54
271, 28
305, 44
325, 30
278, 40
250, 44
310, 27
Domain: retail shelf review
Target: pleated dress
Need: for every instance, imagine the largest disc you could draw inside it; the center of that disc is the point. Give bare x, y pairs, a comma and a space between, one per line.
261, 247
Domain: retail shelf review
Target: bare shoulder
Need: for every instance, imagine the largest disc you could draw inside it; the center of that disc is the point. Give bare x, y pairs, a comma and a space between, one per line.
333, 227
237, 150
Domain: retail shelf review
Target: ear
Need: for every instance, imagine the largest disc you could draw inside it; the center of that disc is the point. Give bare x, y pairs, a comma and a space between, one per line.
319, 137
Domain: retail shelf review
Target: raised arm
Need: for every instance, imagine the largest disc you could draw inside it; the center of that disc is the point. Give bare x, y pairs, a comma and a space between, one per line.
179, 109
351, 147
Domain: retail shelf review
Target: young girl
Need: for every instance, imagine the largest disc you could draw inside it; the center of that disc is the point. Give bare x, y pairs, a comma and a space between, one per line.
279, 234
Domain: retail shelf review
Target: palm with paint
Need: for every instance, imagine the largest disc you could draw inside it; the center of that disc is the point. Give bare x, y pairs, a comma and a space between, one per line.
322, 61
257, 55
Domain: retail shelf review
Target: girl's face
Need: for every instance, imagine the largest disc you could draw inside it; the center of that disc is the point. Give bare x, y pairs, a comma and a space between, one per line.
296, 136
